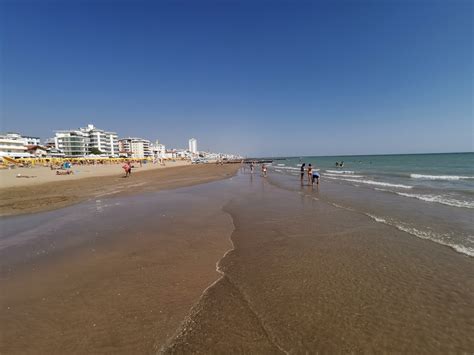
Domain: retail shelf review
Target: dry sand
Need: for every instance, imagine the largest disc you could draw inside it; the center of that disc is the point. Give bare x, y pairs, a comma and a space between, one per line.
48, 191
40, 174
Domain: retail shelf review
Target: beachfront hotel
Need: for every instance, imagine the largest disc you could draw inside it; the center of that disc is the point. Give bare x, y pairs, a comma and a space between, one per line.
83, 141
14, 145
133, 147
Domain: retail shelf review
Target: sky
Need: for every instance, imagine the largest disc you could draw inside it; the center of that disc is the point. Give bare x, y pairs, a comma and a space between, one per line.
258, 78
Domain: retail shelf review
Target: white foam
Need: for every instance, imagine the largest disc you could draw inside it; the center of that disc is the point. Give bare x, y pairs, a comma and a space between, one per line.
288, 168
440, 177
281, 164
437, 238
440, 199
340, 175
377, 183
340, 171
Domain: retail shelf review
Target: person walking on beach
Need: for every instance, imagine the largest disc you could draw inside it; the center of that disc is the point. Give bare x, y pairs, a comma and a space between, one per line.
302, 172
310, 173
128, 169
125, 169
251, 168
264, 170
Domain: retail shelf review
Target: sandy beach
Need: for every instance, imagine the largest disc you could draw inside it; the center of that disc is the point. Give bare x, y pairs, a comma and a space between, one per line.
38, 174
48, 191
136, 273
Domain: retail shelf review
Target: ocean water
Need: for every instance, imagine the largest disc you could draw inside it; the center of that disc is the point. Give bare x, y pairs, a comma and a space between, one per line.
430, 196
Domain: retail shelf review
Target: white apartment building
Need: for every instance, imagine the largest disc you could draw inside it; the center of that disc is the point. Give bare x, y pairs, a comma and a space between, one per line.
193, 145
137, 148
81, 142
158, 150
73, 143
32, 140
14, 145
106, 142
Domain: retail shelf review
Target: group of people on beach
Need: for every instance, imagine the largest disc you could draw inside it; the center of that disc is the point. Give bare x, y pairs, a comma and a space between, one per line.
263, 168
312, 174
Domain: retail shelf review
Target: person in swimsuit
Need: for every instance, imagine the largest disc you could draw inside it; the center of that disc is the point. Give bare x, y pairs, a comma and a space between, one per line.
310, 173
302, 172
264, 170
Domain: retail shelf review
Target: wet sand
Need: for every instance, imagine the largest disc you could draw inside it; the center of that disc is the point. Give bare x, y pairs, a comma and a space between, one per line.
127, 275
91, 278
307, 277
33, 197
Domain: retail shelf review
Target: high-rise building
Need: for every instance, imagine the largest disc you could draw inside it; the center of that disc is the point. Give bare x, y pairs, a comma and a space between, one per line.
138, 148
73, 143
84, 141
193, 146
106, 142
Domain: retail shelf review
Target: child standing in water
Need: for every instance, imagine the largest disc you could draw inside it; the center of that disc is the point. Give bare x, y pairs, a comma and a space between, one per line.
302, 172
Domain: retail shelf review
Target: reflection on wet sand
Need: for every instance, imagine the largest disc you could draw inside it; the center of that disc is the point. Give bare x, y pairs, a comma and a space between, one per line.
309, 277
300, 275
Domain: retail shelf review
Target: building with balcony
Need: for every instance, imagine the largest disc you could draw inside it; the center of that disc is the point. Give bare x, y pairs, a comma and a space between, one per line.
133, 147
104, 141
13, 145
73, 143
158, 150
84, 141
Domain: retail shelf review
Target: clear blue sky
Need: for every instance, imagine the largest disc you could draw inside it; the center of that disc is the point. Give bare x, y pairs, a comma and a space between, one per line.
253, 77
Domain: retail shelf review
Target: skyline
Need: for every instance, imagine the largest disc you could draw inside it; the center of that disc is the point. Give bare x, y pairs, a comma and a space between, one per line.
257, 79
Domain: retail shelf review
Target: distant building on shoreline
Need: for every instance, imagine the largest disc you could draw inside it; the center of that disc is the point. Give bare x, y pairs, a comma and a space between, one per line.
133, 147
14, 145
193, 146
85, 141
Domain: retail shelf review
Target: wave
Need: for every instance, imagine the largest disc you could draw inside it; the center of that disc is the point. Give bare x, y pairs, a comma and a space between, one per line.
371, 182
440, 177
440, 199
281, 164
340, 171
429, 235
338, 175
288, 168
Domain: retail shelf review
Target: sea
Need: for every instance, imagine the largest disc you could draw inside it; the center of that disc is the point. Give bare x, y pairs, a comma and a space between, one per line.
430, 196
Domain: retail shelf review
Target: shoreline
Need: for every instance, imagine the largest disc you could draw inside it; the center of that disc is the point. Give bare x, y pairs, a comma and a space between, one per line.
53, 195
340, 283
234, 264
